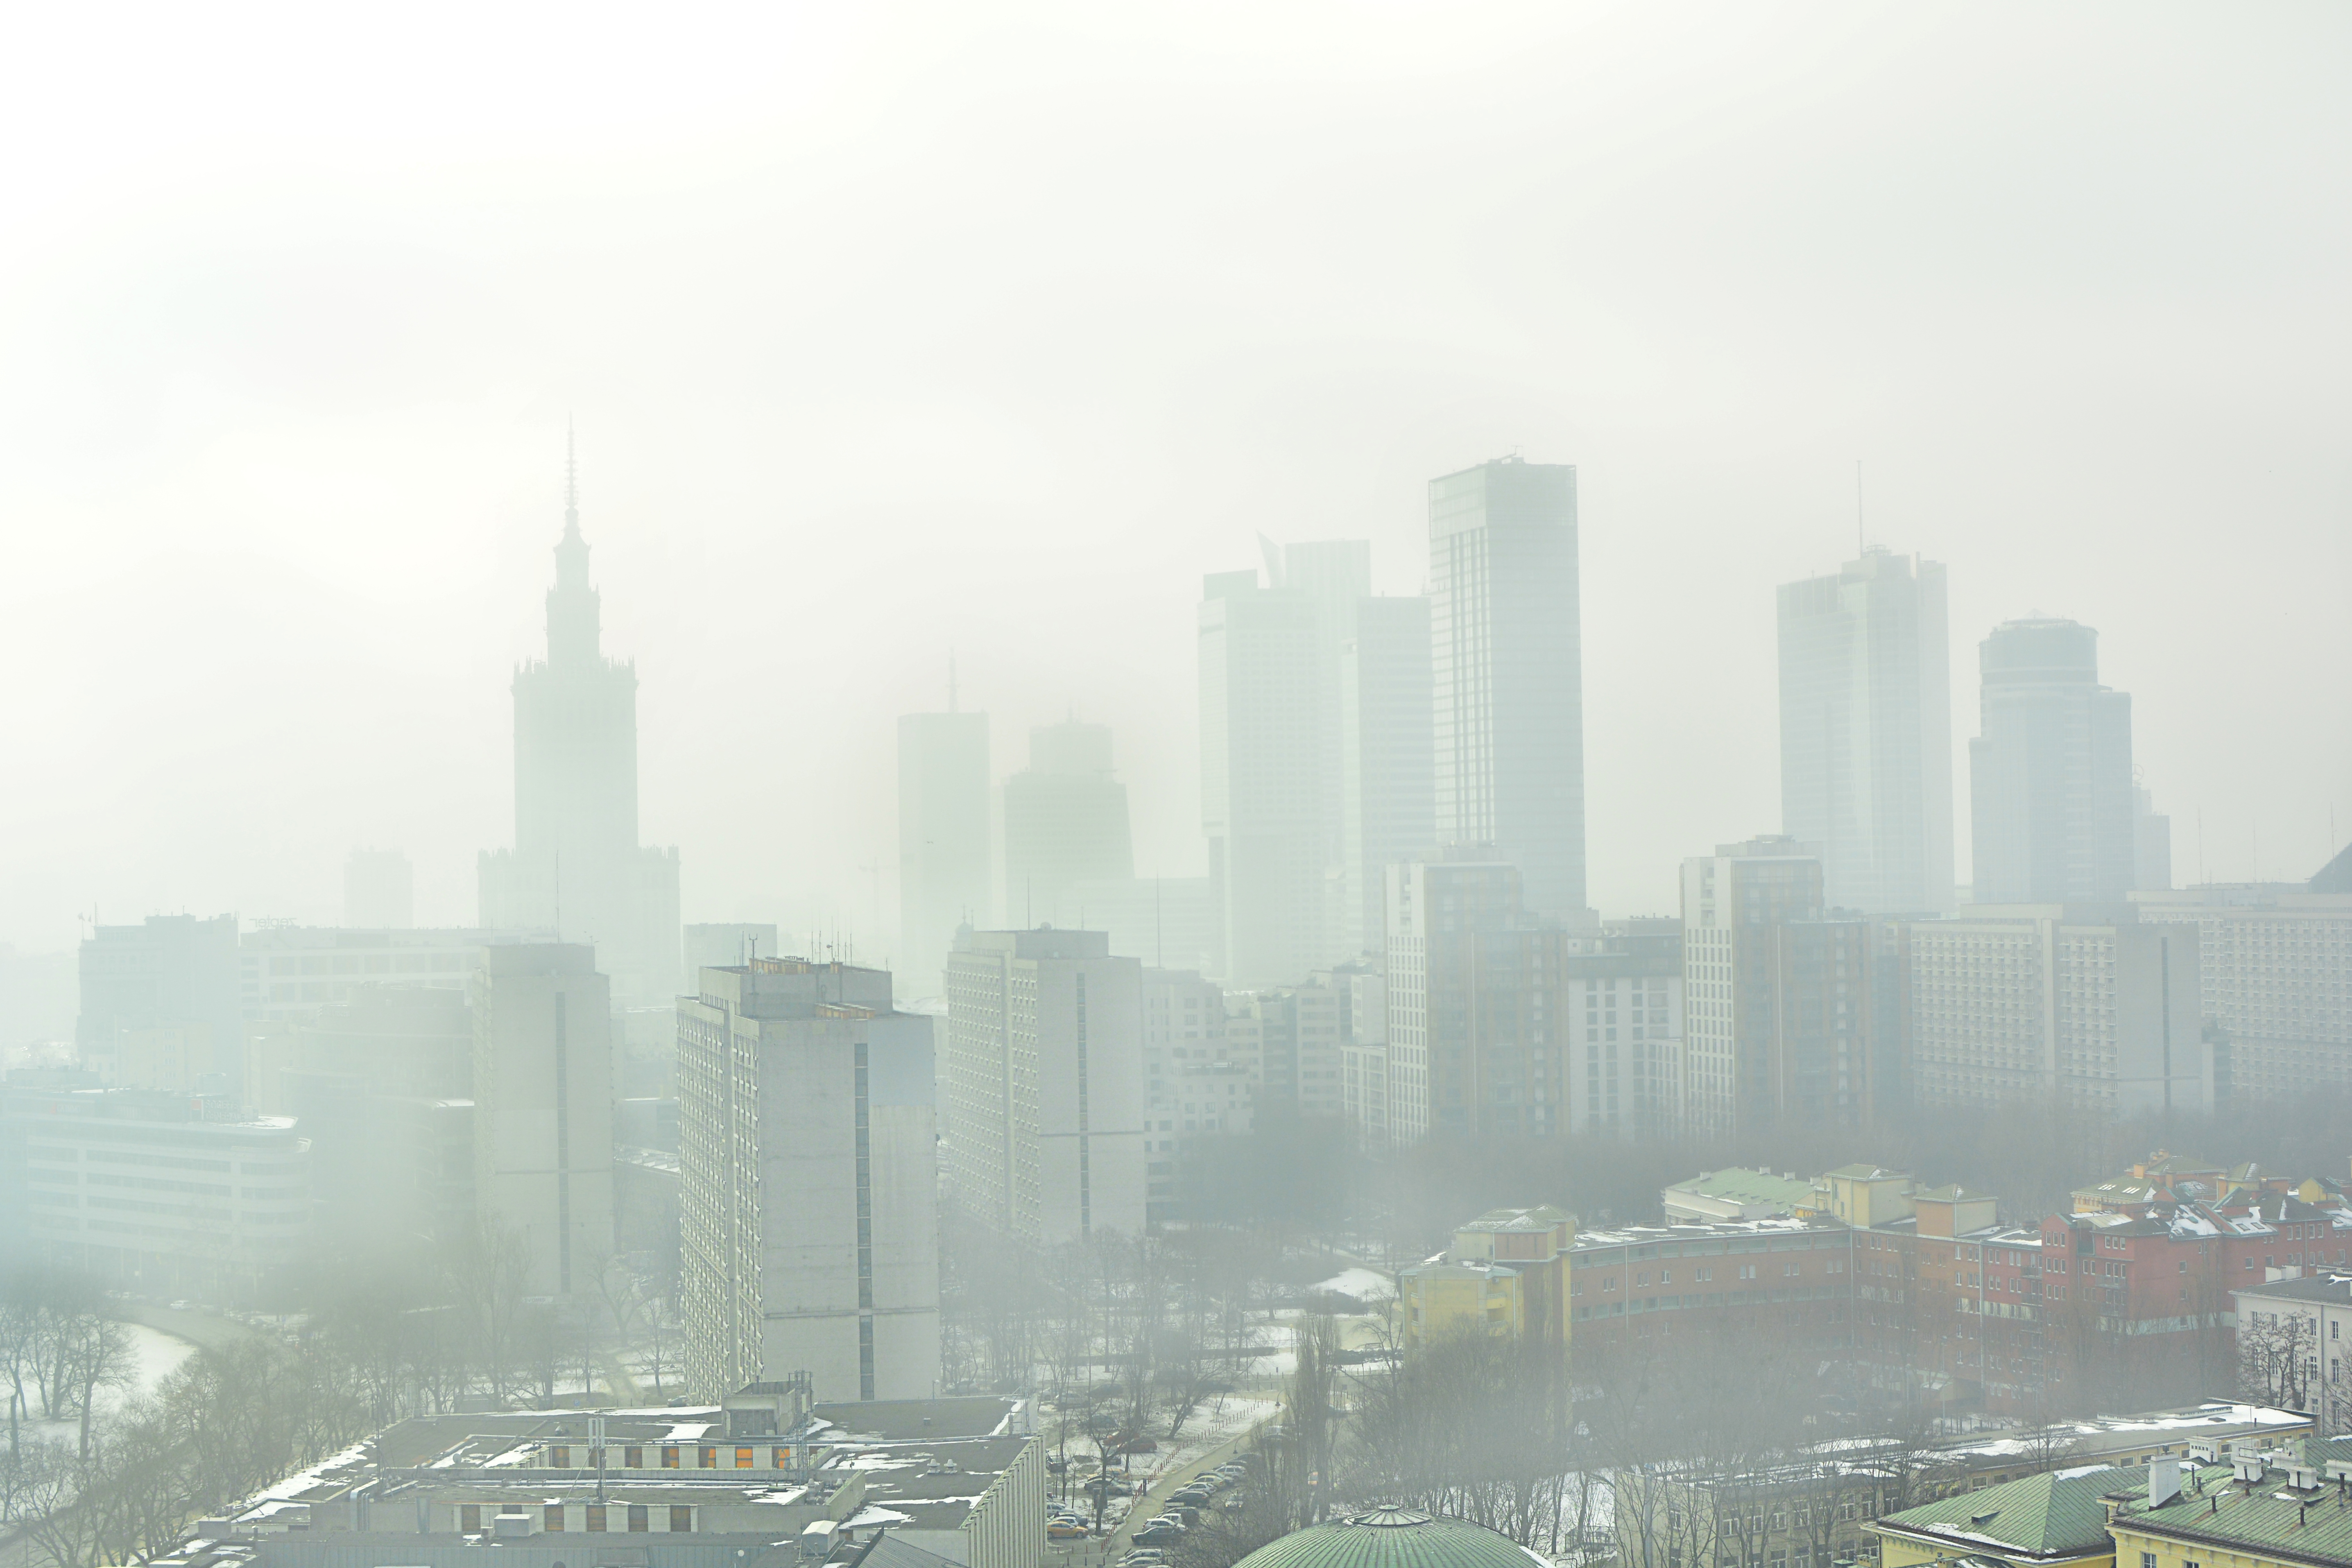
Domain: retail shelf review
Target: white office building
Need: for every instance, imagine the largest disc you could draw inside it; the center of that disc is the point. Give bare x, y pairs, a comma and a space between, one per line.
809, 1195
1041, 1085
1866, 732
2032, 1004
2274, 969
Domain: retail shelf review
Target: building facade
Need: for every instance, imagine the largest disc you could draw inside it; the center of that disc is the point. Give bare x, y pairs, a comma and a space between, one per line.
162, 991
1388, 804
2275, 977
2026, 1003
1262, 783
576, 866
1041, 1085
1197, 1088
1734, 903
543, 1110
1866, 732
156, 1191
1507, 673
808, 1198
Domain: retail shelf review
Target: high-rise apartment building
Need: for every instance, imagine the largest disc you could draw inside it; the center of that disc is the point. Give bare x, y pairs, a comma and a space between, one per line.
2274, 971
808, 1206
2151, 844
1866, 731
1064, 825
287, 972
1507, 673
543, 1110
1499, 1023
1042, 1086
379, 889
1262, 789
1195, 1086
1734, 903
163, 990
576, 866
2051, 775
2087, 1007
943, 840
1292, 1035
1388, 806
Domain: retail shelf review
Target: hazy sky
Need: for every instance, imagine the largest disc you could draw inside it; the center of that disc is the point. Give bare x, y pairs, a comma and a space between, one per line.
890, 329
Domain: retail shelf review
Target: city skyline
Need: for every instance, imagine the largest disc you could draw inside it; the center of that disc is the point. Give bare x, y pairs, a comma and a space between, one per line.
285, 533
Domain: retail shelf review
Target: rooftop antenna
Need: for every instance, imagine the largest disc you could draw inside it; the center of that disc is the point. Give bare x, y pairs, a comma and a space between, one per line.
571, 477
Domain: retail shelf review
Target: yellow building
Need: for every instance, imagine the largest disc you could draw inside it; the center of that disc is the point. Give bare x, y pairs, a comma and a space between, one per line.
1507, 1272
2048, 1520
2284, 1508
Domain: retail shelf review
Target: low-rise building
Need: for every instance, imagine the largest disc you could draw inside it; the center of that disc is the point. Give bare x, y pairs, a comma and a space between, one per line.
157, 1192
1736, 1194
2294, 1345
2050, 1520
1507, 1272
2253, 1508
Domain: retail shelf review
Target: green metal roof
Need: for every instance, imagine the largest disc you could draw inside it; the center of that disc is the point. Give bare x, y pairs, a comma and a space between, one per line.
1868, 1173
1391, 1538
2044, 1516
2267, 1520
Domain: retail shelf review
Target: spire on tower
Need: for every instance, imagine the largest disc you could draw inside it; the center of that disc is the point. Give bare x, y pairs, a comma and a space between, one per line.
570, 481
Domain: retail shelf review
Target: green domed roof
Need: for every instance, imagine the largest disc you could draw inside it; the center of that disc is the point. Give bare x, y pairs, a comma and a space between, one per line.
1391, 1538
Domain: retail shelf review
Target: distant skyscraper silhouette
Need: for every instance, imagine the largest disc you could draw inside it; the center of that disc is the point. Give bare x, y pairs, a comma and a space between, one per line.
1866, 732
2051, 775
1261, 788
1065, 824
576, 866
943, 852
1508, 675
1387, 801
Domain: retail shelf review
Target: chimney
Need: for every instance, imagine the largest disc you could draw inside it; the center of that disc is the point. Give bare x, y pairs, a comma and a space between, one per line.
2163, 1481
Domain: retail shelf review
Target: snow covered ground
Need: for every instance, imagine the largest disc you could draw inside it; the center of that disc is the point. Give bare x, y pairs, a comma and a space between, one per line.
157, 1355
1364, 1284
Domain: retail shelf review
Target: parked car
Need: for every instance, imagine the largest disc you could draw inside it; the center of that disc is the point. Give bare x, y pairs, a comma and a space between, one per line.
1157, 1531
1066, 1529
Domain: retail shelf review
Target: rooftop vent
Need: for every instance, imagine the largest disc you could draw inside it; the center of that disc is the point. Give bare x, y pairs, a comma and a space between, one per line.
2246, 1467
2163, 1481
507, 1526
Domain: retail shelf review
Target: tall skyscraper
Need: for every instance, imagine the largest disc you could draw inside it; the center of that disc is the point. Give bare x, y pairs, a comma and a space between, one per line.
1387, 769
1261, 777
1866, 732
1065, 824
379, 890
2051, 775
1041, 1124
576, 866
944, 854
1507, 673
808, 1209
543, 1109
1334, 576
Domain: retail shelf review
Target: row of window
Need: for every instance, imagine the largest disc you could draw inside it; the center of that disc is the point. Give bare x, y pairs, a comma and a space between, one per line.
637, 1517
